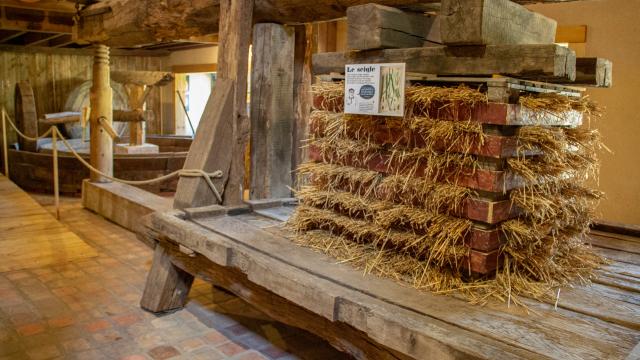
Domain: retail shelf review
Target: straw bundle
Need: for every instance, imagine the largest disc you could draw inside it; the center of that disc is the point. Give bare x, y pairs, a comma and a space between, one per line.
384, 193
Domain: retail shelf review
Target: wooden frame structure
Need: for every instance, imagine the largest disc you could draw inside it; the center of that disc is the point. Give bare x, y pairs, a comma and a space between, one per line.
245, 248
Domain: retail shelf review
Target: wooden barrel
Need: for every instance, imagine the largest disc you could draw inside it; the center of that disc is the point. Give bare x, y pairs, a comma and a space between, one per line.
26, 116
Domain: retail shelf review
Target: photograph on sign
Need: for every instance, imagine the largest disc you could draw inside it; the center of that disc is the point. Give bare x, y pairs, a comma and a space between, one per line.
374, 89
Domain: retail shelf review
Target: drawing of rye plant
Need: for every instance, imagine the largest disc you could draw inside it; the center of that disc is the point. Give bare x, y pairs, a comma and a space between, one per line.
390, 84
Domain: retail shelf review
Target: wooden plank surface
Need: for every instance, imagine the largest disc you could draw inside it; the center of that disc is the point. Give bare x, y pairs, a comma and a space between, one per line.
406, 333
30, 236
551, 63
502, 331
493, 22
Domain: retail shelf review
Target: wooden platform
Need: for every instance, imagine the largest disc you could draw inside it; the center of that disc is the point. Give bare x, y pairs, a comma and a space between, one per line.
370, 317
31, 237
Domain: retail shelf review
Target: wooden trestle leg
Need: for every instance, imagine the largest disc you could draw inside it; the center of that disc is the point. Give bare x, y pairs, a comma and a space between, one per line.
167, 285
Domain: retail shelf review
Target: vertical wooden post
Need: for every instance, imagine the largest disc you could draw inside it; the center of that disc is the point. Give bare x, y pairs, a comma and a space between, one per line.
135, 94
5, 146
236, 20
101, 108
302, 98
271, 110
56, 182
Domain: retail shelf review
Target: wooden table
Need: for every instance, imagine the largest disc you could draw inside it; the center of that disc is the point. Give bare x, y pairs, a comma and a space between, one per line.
249, 253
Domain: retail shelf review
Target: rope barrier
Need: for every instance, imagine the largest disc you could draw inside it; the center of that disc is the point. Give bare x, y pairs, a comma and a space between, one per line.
55, 133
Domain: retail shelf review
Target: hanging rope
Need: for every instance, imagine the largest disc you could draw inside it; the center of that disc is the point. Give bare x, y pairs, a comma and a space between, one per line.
53, 130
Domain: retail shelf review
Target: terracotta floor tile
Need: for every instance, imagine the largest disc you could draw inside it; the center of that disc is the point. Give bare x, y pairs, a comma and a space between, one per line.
31, 329
163, 352
231, 348
97, 325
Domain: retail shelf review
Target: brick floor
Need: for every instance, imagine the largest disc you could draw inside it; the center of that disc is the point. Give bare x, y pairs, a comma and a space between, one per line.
88, 309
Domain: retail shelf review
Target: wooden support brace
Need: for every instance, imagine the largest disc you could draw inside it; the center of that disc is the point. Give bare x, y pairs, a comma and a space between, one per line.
211, 148
108, 128
60, 118
167, 286
132, 116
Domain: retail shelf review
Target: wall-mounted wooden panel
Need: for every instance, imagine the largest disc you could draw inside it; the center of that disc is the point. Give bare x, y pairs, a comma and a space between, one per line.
53, 74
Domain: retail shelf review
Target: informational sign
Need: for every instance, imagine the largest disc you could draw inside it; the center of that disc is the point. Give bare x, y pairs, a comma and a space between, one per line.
374, 89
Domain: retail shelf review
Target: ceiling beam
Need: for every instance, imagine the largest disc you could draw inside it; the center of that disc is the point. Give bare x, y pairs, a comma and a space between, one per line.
39, 39
12, 35
33, 20
131, 23
62, 41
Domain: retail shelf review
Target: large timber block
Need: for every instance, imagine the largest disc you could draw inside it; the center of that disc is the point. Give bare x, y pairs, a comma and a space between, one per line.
373, 26
485, 22
123, 204
550, 62
136, 149
371, 317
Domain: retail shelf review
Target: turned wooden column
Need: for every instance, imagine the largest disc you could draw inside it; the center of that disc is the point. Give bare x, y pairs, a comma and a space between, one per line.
101, 113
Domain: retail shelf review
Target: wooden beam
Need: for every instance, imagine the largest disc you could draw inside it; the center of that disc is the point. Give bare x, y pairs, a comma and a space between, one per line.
195, 68
493, 22
540, 62
64, 40
236, 22
594, 72
41, 39
210, 150
130, 23
86, 51
271, 110
575, 34
34, 20
10, 34
374, 26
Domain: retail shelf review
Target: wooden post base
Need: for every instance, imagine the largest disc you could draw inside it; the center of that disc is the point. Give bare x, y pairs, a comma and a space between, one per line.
167, 286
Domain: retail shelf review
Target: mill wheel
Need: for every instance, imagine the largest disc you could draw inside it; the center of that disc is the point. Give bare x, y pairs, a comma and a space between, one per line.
26, 117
